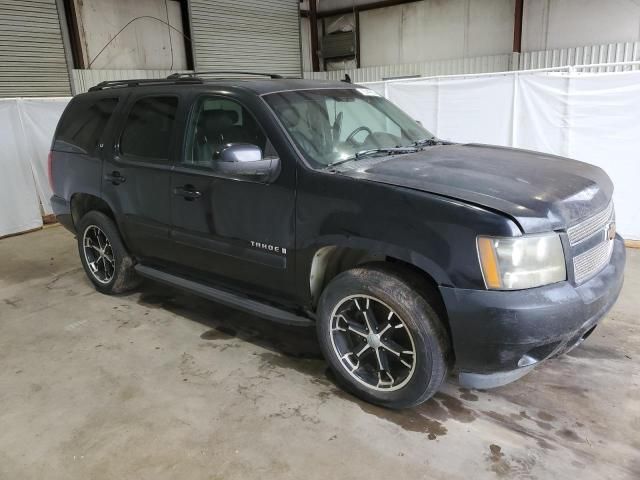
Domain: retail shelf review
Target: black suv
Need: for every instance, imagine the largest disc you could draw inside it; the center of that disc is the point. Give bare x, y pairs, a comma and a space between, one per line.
321, 202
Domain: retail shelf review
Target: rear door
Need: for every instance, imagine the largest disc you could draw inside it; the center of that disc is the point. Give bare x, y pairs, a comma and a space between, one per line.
79, 142
232, 230
137, 171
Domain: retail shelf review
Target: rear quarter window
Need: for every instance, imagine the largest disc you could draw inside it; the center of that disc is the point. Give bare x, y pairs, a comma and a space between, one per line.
82, 125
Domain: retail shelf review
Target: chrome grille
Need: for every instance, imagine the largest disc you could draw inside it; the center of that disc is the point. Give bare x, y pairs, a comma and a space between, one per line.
585, 229
592, 261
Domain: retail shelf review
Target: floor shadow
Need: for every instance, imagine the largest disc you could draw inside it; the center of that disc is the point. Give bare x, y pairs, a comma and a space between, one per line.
226, 322
296, 348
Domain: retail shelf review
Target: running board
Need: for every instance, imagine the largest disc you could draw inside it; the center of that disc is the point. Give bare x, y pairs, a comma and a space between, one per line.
264, 310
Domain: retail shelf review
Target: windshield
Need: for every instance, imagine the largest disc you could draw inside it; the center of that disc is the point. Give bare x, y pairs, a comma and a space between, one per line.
331, 126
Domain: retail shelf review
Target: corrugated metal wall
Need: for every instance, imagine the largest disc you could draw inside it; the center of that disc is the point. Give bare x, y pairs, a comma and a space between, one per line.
32, 57
493, 63
584, 55
251, 35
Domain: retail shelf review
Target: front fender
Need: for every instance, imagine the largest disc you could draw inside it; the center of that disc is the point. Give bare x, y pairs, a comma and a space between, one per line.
435, 234
377, 247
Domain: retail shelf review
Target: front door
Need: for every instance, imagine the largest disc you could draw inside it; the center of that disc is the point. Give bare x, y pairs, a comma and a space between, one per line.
137, 174
231, 231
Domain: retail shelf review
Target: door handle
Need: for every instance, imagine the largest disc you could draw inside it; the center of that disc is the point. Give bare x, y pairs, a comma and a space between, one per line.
188, 192
115, 178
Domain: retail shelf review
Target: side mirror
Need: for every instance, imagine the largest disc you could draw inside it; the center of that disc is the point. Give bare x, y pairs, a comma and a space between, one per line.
245, 161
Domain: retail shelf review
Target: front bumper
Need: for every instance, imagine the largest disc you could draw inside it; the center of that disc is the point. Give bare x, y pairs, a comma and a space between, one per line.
499, 336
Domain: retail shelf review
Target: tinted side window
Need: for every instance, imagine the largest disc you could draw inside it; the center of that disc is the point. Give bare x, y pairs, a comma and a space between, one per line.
217, 122
83, 124
148, 128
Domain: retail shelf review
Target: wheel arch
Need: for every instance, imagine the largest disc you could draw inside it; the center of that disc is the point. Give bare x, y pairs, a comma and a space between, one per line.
422, 273
81, 203
331, 258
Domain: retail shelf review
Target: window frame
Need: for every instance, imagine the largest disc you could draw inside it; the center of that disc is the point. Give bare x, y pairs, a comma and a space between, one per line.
134, 159
182, 167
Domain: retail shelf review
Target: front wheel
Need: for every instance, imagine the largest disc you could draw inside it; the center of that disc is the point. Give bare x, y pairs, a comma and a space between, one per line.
382, 338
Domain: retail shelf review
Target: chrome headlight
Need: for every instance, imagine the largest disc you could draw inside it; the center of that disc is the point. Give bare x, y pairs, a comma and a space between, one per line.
514, 263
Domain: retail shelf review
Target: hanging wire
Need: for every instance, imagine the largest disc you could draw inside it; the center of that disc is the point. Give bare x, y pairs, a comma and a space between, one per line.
129, 23
166, 8
356, 34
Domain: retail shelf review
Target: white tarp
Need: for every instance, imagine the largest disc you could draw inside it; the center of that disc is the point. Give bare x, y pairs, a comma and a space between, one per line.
19, 210
26, 131
592, 117
39, 119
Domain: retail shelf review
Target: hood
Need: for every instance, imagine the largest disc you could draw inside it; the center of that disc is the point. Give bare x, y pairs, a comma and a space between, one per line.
540, 192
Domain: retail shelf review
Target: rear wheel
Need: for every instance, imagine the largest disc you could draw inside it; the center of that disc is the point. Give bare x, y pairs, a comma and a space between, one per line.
382, 338
103, 255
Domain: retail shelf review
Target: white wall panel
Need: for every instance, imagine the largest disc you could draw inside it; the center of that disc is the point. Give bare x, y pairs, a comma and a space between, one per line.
145, 43
490, 27
557, 24
433, 29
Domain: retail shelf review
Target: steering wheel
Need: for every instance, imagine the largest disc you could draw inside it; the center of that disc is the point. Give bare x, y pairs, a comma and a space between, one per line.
357, 131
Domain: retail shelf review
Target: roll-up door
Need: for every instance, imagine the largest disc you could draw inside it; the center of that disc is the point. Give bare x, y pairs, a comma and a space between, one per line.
248, 35
32, 58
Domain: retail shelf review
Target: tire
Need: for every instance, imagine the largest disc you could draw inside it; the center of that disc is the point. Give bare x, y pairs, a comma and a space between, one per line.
412, 378
112, 269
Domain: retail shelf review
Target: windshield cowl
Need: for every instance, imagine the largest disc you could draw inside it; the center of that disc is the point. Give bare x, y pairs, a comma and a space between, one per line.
373, 152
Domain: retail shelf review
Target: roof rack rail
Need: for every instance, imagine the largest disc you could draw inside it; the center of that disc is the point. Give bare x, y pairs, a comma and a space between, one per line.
171, 80
214, 72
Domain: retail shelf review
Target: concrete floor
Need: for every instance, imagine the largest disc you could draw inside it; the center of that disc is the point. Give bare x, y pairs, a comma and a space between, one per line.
159, 384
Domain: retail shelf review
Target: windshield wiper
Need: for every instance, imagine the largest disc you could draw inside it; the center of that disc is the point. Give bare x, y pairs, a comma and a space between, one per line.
372, 151
425, 142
